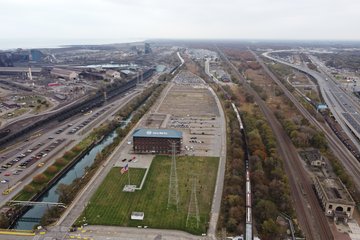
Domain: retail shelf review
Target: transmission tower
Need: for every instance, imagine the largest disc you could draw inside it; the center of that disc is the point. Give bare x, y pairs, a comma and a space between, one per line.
173, 198
193, 210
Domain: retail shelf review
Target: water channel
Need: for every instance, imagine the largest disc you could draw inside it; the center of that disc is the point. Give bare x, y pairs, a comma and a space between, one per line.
33, 215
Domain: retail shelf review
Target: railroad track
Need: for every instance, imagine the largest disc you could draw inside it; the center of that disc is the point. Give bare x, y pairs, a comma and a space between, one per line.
312, 220
343, 154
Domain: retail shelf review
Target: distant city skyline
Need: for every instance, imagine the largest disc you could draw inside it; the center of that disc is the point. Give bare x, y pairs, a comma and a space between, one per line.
70, 21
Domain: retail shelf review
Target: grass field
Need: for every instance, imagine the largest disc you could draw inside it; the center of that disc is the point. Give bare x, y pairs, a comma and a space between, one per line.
110, 206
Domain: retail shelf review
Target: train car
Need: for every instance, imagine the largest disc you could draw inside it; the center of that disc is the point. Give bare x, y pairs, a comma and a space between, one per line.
238, 116
248, 187
248, 215
248, 199
247, 175
248, 231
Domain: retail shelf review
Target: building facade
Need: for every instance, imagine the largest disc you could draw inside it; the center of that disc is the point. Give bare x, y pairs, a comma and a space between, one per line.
113, 74
158, 141
64, 73
335, 198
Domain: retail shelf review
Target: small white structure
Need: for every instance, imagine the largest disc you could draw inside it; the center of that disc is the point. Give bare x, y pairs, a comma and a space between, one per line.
137, 216
129, 188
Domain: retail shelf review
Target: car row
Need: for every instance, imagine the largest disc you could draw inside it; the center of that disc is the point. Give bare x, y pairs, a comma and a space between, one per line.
40, 155
87, 121
19, 157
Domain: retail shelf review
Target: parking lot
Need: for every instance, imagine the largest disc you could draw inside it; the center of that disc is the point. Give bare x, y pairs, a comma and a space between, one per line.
189, 107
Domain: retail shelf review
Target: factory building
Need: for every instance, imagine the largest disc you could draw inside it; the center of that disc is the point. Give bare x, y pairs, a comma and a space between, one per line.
147, 49
335, 198
113, 74
156, 141
20, 71
10, 104
64, 73
313, 158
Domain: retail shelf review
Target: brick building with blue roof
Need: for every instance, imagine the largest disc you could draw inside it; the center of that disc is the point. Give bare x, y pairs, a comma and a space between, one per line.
156, 140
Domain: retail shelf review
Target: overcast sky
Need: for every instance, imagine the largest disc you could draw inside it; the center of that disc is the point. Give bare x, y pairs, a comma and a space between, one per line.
144, 19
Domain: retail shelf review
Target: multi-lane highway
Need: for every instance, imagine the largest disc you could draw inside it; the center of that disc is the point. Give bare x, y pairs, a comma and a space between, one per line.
20, 162
348, 160
345, 110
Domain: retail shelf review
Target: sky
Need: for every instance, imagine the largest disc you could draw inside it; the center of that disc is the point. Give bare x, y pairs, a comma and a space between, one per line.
119, 20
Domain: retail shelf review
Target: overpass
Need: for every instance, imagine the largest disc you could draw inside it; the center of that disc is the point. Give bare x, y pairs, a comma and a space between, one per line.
343, 107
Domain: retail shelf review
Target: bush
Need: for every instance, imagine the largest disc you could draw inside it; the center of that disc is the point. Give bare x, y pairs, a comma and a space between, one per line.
40, 178
29, 189
52, 169
60, 162
69, 155
77, 149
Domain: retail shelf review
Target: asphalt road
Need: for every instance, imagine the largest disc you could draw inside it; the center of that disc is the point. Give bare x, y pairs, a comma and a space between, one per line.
337, 100
79, 204
216, 204
69, 140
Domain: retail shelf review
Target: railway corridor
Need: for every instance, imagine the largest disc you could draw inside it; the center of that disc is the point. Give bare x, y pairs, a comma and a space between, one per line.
248, 195
311, 218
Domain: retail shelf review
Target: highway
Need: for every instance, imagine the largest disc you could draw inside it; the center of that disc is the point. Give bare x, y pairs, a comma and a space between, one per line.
343, 107
47, 145
348, 160
310, 216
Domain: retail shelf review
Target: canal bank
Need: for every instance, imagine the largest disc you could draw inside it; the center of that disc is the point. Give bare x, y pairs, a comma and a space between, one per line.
31, 216
90, 161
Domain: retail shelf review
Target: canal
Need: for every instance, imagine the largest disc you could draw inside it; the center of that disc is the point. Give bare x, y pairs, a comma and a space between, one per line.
33, 215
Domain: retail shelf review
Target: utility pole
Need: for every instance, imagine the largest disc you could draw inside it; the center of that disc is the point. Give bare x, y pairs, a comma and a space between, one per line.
173, 198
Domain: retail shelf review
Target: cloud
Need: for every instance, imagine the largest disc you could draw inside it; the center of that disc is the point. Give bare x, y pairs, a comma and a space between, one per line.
115, 19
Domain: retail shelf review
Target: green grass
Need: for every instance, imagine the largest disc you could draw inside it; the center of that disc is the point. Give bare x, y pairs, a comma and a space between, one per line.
110, 206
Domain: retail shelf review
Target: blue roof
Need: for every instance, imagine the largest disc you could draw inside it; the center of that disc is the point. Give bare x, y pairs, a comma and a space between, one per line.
157, 133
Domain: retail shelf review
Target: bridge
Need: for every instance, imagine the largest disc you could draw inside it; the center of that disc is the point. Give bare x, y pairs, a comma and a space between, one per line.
29, 219
30, 203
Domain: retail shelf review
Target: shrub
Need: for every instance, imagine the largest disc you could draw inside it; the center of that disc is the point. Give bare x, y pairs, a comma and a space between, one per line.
52, 169
40, 178
60, 162
29, 188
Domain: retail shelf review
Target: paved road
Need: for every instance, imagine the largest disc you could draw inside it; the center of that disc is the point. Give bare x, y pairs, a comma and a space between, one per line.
79, 204
338, 101
70, 140
216, 204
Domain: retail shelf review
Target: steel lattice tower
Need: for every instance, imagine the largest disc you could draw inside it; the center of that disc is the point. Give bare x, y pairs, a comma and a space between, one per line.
173, 198
193, 210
